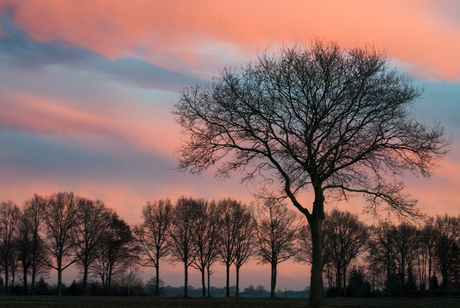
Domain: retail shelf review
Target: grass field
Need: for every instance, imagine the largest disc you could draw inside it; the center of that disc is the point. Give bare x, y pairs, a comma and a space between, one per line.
140, 302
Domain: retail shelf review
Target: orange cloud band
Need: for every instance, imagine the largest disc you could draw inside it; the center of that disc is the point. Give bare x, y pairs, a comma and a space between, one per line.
424, 34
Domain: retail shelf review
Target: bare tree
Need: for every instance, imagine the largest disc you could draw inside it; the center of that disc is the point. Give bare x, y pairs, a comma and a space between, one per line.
206, 239
321, 117
119, 252
9, 218
382, 251
406, 243
428, 242
89, 234
59, 222
245, 241
348, 237
231, 216
182, 247
447, 236
34, 257
276, 233
153, 234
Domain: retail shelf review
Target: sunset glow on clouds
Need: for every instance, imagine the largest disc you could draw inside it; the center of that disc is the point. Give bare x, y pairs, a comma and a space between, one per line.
87, 89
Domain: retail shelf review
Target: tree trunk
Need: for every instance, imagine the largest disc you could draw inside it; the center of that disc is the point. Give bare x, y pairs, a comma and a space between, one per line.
430, 284
237, 281
157, 282
32, 283
203, 281
109, 280
338, 280
273, 280
24, 278
315, 220
209, 282
344, 282
227, 294
59, 286
388, 275
6, 280
85, 280
185, 280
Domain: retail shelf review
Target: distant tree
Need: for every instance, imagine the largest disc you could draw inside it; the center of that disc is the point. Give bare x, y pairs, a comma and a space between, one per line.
88, 235
34, 257
206, 239
119, 252
304, 242
9, 219
358, 286
382, 251
152, 286
318, 117
447, 235
428, 241
348, 237
406, 244
231, 215
245, 241
153, 234
276, 233
59, 223
182, 246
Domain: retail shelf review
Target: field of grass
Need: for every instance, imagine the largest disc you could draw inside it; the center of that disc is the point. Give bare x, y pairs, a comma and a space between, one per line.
140, 302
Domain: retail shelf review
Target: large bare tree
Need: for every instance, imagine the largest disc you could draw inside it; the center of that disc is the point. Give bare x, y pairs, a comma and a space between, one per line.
153, 234
277, 233
320, 117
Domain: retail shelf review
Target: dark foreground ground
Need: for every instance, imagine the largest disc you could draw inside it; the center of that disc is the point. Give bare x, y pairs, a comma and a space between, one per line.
140, 302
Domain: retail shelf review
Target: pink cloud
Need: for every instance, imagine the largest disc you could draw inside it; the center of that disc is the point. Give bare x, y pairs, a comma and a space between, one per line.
148, 128
411, 31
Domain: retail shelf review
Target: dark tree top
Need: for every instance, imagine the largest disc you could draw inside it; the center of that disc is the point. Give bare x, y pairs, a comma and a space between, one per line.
320, 117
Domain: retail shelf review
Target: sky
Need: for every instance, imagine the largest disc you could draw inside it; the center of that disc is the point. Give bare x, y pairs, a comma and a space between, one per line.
87, 88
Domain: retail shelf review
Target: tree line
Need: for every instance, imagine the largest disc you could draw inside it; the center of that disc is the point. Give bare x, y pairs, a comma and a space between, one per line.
54, 232
63, 229
403, 260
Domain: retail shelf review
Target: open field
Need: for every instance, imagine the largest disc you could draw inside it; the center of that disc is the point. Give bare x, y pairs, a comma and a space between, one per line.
140, 302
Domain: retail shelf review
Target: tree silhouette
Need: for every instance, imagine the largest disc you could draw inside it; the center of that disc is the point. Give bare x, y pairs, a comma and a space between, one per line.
34, 256
9, 218
206, 239
428, 241
245, 241
88, 235
60, 220
447, 234
348, 237
382, 251
119, 252
321, 117
153, 234
232, 211
182, 246
276, 233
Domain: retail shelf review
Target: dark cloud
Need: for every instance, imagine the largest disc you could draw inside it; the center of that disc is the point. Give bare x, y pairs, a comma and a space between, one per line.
17, 51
